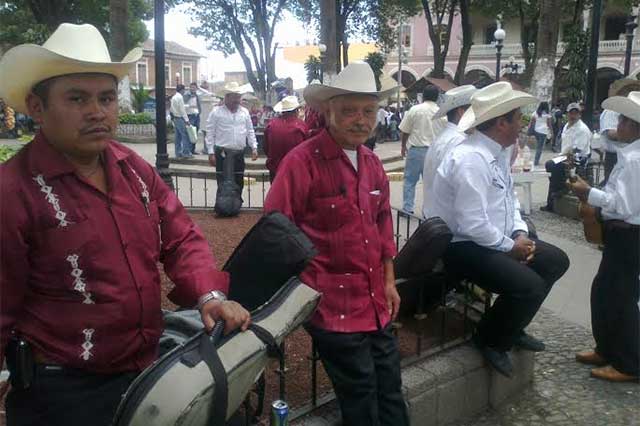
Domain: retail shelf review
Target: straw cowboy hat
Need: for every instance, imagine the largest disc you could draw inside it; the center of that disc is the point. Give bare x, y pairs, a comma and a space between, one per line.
572, 106
355, 79
628, 106
623, 87
232, 87
288, 103
71, 49
455, 98
493, 101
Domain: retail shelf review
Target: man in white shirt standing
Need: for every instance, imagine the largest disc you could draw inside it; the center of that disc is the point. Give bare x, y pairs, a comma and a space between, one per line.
576, 143
473, 194
456, 102
229, 129
615, 292
192, 105
419, 129
180, 122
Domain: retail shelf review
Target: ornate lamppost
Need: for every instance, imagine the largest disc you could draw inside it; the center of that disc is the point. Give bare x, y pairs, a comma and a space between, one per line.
162, 158
630, 26
323, 49
499, 36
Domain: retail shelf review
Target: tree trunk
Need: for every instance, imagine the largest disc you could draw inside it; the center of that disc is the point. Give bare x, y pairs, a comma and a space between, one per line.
439, 53
467, 41
118, 28
328, 37
345, 51
546, 47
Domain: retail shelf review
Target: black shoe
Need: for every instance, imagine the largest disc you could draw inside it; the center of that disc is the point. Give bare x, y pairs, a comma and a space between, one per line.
546, 208
529, 343
499, 360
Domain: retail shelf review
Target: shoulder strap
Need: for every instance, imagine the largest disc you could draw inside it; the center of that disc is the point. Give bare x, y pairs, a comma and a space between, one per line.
209, 353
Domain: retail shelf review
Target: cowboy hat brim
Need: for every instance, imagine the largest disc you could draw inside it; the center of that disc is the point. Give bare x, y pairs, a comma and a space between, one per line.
278, 108
624, 84
26, 65
519, 100
446, 107
315, 94
623, 106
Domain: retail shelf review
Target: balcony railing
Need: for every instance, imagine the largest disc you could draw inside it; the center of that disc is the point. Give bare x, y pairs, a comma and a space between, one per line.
515, 49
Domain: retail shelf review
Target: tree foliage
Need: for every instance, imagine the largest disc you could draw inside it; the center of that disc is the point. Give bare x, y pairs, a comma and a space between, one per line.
313, 68
376, 61
245, 27
33, 21
577, 49
140, 96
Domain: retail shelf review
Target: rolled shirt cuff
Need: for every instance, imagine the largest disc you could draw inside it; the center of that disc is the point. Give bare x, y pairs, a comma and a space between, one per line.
596, 197
505, 245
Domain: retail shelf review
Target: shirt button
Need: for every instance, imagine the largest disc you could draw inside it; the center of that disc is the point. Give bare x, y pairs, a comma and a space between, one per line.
366, 241
341, 286
341, 316
333, 206
373, 294
361, 211
370, 269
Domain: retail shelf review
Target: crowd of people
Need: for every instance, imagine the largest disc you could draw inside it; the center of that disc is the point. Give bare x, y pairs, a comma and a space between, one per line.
84, 221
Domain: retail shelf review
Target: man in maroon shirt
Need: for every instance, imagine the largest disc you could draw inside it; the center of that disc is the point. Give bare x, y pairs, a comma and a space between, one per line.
337, 192
283, 133
84, 223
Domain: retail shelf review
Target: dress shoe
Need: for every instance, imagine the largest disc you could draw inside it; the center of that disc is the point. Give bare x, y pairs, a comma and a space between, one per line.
529, 343
591, 358
546, 208
612, 375
499, 360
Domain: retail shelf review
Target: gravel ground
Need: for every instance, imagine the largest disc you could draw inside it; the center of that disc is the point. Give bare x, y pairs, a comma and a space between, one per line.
551, 223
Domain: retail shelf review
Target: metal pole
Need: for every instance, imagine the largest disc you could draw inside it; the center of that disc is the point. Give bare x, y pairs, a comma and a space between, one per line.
630, 26
400, 48
162, 158
498, 56
587, 116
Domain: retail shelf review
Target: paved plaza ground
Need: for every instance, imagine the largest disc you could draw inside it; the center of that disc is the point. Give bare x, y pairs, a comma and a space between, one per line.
562, 392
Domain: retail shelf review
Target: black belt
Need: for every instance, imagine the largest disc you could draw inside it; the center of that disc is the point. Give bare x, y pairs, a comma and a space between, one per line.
620, 225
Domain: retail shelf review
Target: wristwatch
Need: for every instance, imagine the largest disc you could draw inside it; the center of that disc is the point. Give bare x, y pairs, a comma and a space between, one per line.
211, 295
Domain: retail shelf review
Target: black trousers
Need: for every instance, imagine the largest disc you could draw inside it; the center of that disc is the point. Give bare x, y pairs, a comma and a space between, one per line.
235, 156
62, 397
521, 287
615, 293
365, 371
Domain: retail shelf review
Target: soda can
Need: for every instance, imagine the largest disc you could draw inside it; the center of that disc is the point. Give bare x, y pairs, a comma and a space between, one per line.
279, 413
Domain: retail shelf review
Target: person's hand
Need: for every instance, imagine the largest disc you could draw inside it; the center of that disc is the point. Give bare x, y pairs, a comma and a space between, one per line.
523, 249
233, 314
393, 300
212, 160
403, 151
4, 388
254, 155
579, 187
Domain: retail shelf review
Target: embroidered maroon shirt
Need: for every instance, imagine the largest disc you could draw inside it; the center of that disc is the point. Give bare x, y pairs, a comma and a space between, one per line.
79, 268
281, 136
347, 215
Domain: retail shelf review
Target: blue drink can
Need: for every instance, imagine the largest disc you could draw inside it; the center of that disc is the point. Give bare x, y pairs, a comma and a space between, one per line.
279, 413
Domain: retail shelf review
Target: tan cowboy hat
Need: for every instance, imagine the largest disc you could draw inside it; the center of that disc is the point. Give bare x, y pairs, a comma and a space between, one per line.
628, 106
355, 79
71, 49
493, 101
288, 103
233, 87
624, 86
455, 98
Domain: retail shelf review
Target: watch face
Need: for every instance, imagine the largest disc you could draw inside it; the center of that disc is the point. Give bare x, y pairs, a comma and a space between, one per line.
219, 295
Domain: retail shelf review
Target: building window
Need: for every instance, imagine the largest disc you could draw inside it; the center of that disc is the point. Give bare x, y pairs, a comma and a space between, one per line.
614, 26
142, 76
186, 74
488, 33
167, 75
406, 35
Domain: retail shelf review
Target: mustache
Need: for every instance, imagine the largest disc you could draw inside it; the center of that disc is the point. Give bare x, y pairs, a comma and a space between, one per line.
97, 127
359, 129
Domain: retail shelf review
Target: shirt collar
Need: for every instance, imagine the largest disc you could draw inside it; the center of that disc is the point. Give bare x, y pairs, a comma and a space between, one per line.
454, 127
494, 147
329, 148
45, 160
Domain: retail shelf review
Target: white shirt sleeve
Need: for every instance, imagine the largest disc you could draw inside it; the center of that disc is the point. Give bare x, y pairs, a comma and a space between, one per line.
608, 121
251, 134
471, 179
518, 223
623, 198
210, 139
182, 111
406, 125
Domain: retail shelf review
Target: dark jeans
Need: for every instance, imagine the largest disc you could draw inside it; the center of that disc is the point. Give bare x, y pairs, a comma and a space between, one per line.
521, 288
615, 316
540, 140
194, 120
237, 157
365, 371
558, 178
60, 397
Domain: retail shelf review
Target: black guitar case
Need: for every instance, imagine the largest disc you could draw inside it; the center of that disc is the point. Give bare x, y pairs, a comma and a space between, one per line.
229, 194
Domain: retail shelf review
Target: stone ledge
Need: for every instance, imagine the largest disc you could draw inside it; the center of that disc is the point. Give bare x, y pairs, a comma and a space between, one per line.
450, 387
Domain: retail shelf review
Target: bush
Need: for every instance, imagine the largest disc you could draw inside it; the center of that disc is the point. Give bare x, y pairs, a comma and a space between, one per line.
141, 118
7, 152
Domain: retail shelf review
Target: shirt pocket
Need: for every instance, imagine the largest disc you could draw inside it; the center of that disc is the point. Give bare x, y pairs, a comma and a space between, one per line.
330, 213
374, 198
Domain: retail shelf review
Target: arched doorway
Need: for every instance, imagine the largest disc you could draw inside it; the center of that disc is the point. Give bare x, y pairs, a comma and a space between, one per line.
604, 77
478, 78
407, 78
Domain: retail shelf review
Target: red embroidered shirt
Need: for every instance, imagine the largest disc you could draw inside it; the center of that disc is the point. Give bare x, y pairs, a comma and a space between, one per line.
79, 268
346, 214
281, 136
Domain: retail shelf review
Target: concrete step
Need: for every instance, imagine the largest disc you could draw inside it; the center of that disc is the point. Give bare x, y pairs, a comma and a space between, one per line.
394, 166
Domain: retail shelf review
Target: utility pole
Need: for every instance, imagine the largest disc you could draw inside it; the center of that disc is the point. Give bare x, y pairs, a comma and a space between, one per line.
162, 158
328, 37
400, 51
593, 63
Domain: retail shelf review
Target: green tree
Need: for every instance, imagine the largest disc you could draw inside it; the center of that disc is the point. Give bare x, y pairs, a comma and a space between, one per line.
576, 50
313, 68
32, 21
439, 31
245, 27
376, 61
140, 96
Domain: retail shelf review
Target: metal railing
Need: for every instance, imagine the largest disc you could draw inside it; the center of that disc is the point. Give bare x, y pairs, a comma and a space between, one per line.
515, 49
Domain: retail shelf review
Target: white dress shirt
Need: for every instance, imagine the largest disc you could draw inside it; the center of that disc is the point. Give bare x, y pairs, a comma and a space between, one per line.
609, 121
381, 116
420, 125
576, 136
450, 137
473, 194
231, 130
620, 198
177, 107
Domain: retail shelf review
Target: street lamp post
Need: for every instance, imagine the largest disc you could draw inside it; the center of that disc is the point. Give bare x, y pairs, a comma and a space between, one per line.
323, 49
499, 36
587, 114
630, 26
400, 52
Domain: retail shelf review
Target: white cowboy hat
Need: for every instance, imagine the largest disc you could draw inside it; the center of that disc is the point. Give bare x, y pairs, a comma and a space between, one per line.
71, 49
288, 103
455, 98
628, 106
233, 87
355, 79
493, 101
